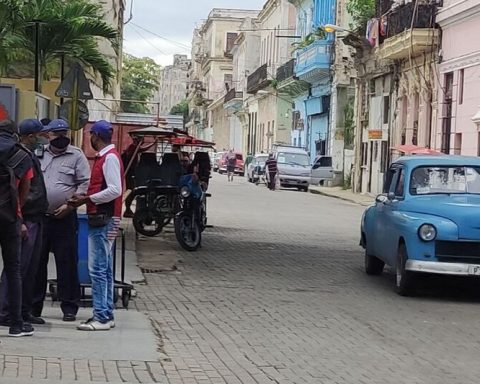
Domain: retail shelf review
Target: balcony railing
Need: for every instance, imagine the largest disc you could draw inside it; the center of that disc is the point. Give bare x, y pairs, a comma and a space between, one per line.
405, 17
286, 71
233, 94
314, 61
258, 79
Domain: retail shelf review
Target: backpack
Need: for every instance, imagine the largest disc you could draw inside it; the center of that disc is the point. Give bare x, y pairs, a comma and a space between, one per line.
8, 183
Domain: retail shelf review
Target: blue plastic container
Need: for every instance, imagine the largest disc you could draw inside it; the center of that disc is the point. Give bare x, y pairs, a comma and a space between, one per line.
83, 274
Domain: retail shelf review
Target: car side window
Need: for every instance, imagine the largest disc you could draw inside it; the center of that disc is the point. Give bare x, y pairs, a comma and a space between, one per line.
388, 180
400, 184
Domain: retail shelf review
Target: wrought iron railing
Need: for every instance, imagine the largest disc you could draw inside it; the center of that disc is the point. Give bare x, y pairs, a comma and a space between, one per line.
286, 71
258, 79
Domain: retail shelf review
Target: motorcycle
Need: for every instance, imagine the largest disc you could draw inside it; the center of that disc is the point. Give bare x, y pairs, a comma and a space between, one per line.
191, 219
155, 207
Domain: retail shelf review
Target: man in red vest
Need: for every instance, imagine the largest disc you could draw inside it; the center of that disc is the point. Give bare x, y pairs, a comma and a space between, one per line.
104, 209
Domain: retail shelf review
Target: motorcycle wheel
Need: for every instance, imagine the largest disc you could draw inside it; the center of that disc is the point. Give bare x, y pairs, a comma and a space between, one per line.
189, 238
147, 224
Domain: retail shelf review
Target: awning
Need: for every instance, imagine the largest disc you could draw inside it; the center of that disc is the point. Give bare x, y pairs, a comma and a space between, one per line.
410, 149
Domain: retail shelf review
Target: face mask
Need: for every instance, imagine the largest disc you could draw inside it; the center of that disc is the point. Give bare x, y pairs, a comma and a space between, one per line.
61, 142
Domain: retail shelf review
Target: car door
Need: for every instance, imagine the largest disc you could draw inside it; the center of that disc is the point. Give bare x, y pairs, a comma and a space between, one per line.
387, 215
322, 169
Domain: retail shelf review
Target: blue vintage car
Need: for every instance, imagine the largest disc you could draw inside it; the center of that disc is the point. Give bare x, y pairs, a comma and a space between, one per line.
427, 220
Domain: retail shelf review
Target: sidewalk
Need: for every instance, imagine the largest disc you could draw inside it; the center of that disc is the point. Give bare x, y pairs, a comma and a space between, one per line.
342, 194
58, 353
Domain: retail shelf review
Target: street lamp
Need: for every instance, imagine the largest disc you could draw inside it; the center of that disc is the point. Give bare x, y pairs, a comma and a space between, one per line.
331, 28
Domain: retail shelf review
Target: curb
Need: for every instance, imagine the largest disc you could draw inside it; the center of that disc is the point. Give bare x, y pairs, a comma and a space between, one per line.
317, 192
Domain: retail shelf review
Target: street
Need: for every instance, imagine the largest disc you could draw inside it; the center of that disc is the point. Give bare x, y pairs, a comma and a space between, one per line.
277, 294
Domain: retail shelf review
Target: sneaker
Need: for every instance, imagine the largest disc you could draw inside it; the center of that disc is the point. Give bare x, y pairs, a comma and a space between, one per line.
69, 317
26, 330
34, 320
112, 323
94, 325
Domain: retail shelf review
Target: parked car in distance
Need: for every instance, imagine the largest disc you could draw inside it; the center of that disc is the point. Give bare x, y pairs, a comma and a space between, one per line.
322, 170
294, 168
239, 166
216, 160
426, 221
256, 166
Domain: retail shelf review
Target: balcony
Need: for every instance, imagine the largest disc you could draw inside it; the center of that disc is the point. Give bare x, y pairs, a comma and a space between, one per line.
258, 80
233, 100
407, 34
288, 83
286, 71
314, 61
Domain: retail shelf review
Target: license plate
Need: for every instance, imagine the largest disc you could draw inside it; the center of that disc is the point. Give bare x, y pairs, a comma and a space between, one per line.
474, 270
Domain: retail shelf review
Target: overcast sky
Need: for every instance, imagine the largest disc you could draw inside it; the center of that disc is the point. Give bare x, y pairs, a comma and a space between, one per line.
173, 20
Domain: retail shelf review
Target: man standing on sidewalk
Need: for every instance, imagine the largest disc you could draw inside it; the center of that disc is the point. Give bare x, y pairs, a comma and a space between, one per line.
15, 175
33, 212
104, 209
66, 172
272, 169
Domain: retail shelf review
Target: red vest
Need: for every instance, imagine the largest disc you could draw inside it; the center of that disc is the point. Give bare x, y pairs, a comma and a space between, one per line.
98, 184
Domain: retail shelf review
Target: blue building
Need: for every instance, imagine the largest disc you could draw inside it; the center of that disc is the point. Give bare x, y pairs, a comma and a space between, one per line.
313, 66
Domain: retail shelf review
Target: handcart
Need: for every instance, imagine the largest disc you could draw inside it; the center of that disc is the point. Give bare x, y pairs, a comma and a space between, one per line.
122, 290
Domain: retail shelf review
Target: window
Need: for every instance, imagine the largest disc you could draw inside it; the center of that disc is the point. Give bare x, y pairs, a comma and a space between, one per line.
400, 187
375, 151
325, 161
447, 113
364, 154
386, 109
231, 37
384, 157
457, 150
228, 80
461, 78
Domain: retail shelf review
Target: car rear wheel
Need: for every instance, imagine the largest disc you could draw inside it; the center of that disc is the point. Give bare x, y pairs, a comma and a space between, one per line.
373, 265
403, 278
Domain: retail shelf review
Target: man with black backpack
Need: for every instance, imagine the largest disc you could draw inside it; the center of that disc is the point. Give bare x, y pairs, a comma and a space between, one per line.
33, 212
15, 175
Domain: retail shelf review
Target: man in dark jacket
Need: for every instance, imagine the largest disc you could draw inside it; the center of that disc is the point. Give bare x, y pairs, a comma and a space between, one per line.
33, 211
15, 176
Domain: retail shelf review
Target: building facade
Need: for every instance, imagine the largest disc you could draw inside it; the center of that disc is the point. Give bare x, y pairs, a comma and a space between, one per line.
458, 124
172, 85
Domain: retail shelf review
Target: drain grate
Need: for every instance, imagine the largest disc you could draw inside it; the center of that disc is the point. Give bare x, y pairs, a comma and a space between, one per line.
158, 270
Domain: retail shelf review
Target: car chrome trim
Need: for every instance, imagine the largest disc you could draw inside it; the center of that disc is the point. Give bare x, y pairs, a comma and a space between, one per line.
460, 269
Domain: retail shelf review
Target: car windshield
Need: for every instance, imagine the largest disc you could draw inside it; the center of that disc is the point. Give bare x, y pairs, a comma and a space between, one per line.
445, 180
293, 159
262, 159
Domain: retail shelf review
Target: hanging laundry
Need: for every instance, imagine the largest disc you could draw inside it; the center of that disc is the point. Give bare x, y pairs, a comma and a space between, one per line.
383, 26
373, 31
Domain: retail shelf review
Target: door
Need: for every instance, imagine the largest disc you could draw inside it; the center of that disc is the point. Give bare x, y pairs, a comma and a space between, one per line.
385, 228
322, 169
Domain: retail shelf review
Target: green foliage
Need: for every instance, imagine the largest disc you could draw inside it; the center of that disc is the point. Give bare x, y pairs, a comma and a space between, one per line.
317, 34
361, 11
139, 82
180, 109
68, 28
347, 182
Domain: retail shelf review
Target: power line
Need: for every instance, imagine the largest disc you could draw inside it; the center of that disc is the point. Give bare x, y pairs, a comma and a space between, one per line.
180, 45
149, 42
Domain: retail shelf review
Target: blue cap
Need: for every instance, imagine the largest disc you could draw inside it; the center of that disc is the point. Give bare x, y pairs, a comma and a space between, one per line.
102, 129
29, 126
57, 125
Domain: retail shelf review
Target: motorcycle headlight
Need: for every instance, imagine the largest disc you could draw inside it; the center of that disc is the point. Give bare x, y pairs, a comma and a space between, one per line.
185, 191
427, 232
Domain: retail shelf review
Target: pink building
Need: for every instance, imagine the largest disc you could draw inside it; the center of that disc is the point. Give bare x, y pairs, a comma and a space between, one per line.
458, 126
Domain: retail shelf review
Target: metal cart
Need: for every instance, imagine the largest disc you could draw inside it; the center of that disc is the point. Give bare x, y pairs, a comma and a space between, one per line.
122, 290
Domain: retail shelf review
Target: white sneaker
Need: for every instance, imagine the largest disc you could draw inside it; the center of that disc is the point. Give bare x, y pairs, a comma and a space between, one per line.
112, 323
94, 325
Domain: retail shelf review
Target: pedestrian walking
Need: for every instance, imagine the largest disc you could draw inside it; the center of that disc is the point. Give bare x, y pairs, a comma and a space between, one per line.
66, 172
104, 209
15, 175
33, 212
272, 170
231, 163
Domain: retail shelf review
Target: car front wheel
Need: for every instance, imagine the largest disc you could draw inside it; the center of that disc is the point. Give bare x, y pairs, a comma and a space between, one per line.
403, 278
373, 265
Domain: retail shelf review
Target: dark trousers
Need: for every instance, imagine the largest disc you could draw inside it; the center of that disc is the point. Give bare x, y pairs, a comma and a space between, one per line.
271, 180
10, 244
29, 259
60, 238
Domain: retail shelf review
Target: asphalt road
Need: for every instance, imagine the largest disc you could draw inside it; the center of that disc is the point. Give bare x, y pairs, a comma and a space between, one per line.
278, 294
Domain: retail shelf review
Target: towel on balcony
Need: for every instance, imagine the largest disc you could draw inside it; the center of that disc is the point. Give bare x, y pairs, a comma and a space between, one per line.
373, 31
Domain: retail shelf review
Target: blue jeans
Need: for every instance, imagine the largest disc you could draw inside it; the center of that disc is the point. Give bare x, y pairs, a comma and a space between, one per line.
100, 266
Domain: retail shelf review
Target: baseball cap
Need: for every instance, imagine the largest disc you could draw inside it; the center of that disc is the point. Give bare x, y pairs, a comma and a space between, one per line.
57, 125
103, 129
29, 126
